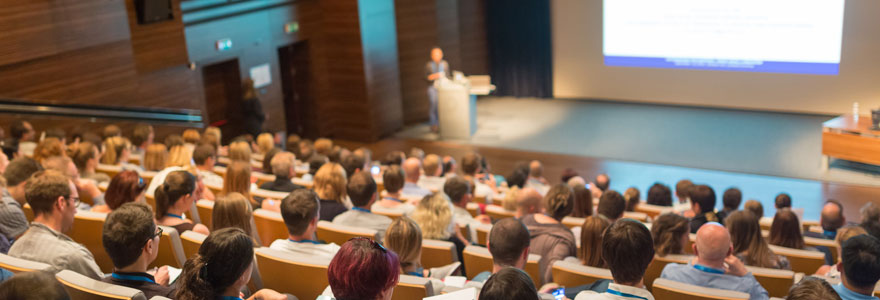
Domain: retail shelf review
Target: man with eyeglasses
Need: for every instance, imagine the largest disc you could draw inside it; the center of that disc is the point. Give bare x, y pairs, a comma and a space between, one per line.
131, 239
53, 198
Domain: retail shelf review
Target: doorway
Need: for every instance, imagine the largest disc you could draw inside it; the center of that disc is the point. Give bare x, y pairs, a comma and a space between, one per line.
296, 86
222, 83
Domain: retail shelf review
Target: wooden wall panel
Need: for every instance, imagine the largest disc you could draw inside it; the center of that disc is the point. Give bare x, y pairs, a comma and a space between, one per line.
448, 32
472, 32
157, 45
416, 34
379, 39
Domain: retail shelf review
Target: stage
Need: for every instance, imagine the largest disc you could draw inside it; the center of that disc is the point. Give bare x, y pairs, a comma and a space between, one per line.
763, 153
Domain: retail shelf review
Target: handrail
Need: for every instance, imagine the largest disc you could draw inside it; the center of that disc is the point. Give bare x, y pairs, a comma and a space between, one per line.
147, 114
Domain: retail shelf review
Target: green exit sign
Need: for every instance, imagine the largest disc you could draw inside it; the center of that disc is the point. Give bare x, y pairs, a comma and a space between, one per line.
291, 27
223, 45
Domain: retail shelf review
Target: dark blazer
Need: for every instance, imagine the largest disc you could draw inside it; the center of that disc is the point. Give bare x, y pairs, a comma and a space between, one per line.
252, 116
330, 209
281, 184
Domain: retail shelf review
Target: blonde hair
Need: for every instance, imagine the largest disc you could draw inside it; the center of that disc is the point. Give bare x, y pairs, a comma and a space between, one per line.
47, 148
404, 237
330, 181
431, 164
191, 136
323, 146
240, 150
179, 156
238, 180
155, 157
433, 216
265, 142
591, 241
509, 201
113, 148
844, 233
232, 210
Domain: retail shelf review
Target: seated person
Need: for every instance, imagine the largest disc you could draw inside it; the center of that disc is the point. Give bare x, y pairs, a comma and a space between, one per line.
842, 235
859, 268
205, 157
404, 237
528, 201
659, 194
300, 211
13, 222
632, 197
715, 266
785, 231
591, 241
749, 244
125, 187
612, 205
783, 200
38, 285
412, 168
536, 178
549, 238
330, 182
176, 196
359, 259
812, 288
731, 199
131, 239
509, 283
754, 207
433, 167
628, 249
459, 191
434, 216
583, 202
392, 178
362, 192
703, 206
671, 234
282, 166
53, 197
221, 269
233, 210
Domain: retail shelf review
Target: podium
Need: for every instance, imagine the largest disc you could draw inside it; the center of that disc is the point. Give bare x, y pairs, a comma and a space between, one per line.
457, 104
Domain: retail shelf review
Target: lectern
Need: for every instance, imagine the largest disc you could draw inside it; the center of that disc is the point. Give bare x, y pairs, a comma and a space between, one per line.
457, 104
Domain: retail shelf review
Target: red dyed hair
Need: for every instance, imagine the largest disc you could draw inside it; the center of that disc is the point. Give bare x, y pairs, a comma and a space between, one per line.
125, 187
362, 269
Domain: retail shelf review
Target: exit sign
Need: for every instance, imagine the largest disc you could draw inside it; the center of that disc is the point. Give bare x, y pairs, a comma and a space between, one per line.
223, 45
291, 27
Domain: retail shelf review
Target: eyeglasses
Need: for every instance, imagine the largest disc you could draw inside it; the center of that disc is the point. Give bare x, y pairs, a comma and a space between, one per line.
158, 233
141, 183
375, 244
76, 201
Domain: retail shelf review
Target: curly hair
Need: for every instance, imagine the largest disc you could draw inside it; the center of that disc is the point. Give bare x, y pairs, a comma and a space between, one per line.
433, 214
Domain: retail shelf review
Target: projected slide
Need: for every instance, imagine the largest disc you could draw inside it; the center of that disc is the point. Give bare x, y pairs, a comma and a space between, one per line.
779, 36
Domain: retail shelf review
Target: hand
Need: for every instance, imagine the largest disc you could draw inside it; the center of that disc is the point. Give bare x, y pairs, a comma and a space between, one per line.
734, 266
483, 219
267, 294
161, 276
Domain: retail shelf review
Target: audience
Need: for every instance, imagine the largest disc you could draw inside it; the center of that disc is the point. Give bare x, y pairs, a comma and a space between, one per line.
509, 283
591, 241
434, 216
509, 245
238, 180
142, 138
38, 285
116, 153
519, 176
392, 179
363, 269
53, 198
362, 192
411, 169
156, 157
459, 192
528, 201
432, 179
659, 195
786, 231
859, 268
301, 211
583, 202
715, 266
611, 205
632, 197
267, 161
176, 196
812, 288
233, 210
205, 157
831, 220
749, 245
125, 187
265, 143
549, 238
131, 239
330, 185
536, 178
180, 156
354, 163
731, 199
628, 249
240, 151
13, 222
671, 234
703, 206
484, 185
602, 182
754, 207
85, 156
830, 269
404, 237
783, 200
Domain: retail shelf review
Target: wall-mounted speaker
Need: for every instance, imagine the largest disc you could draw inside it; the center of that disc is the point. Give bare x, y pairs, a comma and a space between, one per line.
152, 11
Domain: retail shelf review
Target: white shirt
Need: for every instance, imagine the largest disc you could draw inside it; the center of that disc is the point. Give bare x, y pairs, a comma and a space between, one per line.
463, 218
211, 179
405, 209
363, 219
412, 189
306, 248
432, 183
616, 292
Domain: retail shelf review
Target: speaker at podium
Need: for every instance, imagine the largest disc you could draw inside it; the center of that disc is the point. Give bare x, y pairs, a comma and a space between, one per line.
457, 104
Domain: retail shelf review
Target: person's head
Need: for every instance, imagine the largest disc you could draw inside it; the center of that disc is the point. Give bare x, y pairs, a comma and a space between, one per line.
832, 216
611, 205
433, 214
602, 182
35, 285
591, 241
17, 174
292, 143
536, 169
130, 235
528, 201
354, 163
191, 136
392, 178
62, 164
745, 234
670, 232
267, 160
111, 130
812, 288
142, 135
300, 211
732, 198
53, 197
232, 210
48, 147
559, 201
786, 230
844, 233
265, 142
238, 179
519, 176
712, 243
783, 200
659, 194
449, 165
870, 213
316, 162
583, 202
224, 262
172, 140
632, 197
568, 174
754, 207
306, 148
702, 199
214, 132
21, 130
248, 91
363, 269
509, 200
240, 151
323, 146
860, 267
282, 164
509, 283
411, 168
470, 163
393, 158
509, 243
436, 54
178, 190
361, 189
85, 156
432, 165
155, 157
459, 190
683, 189
627, 248
330, 182
204, 155
404, 237
115, 148
179, 156
125, 187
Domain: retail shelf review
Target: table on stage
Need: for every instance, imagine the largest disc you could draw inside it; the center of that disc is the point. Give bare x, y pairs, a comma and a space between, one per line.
851, 138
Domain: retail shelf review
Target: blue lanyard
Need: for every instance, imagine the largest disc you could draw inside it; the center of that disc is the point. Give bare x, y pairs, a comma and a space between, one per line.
306, 241
613, 292
173, 215
230, 298
393, 199
708, 269
361, 209
132, 278
829, 234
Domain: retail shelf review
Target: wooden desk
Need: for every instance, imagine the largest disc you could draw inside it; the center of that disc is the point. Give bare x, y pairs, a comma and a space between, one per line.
850, 138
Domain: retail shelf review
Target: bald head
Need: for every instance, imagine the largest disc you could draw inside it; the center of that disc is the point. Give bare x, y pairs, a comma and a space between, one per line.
832, 216
528, 201
411, 167
602, 182
713, 242
577, 181
536, 169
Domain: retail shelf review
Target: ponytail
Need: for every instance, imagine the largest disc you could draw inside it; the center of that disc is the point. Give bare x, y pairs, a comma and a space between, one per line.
222, 259
177, 184
193, 283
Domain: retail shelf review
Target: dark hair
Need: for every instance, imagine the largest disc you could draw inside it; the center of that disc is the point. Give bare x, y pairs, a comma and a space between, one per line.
745, 235
353, 162
124, 188
861, 260
223, 257
393, 158
507, 241
812, 288
583, 202
362, 269
611, 205
292, 144
509, 283
786, 230
627, 249
56, 132
42, 190
833, 222
592, 232
125, 232
603, 186
667, 231
177, 184
202, 153
19, 170
754, 207
559, 201
732, 198
18, 129
783, 200
111, 131
703, 195
36, 285
361, 188
172, 140
298, 209
316, 162
683, 188
567, 174
470, 163
519, 176
267, 160
447, 165
632, 197
456, 188
659, 194
140, 134
392, 178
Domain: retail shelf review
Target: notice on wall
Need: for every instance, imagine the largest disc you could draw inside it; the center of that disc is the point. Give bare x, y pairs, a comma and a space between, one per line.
261, 75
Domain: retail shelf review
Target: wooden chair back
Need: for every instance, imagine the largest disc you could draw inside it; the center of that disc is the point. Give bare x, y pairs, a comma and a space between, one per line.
170, 249
478, 259
206, 211
339, 234
497, 212
830, 244
18, 265
653, 211
86, 230
483, 233
28, 212
81, 287
310, 273
573, 274
412, 287
668, 289
438, 253
776, 282
270, 226
802, 261
191, 241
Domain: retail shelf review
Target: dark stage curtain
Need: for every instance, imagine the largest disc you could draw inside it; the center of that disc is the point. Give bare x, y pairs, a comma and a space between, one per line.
520, 47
